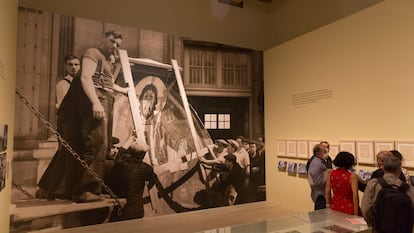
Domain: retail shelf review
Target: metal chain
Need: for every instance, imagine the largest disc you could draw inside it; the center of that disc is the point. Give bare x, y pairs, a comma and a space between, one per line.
65, 144
30, 196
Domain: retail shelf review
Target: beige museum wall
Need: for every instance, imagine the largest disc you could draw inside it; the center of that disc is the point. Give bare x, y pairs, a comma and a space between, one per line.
367, 61
8, 28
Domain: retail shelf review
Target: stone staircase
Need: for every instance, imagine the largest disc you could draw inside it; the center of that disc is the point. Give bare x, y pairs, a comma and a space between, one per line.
29, 166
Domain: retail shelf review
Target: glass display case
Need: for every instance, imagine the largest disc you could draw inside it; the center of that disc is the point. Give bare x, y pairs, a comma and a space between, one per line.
320, 221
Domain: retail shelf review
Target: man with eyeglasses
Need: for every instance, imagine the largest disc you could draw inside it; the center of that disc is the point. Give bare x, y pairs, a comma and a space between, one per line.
96, 108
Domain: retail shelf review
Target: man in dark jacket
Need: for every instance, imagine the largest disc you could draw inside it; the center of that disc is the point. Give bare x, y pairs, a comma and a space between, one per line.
235, 178
128, 179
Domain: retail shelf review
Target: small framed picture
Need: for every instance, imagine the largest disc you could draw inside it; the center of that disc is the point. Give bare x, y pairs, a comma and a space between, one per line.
302, 149
365, 175
302, 168
282, 165
347, 145
365, 152
383, 146
281, 147
311, 145
333, 151
291, 149
407, 151
292, 166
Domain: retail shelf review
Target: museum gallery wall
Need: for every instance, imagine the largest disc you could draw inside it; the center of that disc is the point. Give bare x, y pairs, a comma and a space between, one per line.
204, 91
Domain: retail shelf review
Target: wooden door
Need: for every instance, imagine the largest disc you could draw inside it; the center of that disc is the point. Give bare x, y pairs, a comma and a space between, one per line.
33, 74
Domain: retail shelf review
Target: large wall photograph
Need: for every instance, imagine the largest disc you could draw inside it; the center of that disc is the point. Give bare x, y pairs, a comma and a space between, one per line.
116, 122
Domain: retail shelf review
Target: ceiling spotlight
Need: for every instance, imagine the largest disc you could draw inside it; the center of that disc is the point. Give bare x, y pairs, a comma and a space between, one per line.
237, 3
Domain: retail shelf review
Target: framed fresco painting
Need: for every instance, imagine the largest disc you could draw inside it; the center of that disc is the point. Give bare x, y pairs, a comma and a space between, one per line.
365, 152
302, 149
281, 147
291, 149
407, 150
383, 145
347, 145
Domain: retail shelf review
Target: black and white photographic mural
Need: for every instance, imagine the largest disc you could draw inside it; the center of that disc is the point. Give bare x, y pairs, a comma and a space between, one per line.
115, 122
3, 170
3, 154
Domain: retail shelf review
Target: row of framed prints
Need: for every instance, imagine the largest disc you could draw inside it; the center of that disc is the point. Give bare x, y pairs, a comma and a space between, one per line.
300, 168
364, 151
292, 167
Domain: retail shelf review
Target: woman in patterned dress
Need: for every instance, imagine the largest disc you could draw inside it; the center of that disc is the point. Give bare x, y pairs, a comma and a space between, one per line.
344, 185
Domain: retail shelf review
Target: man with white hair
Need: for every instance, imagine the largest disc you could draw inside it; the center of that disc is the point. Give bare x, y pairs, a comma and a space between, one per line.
394, 216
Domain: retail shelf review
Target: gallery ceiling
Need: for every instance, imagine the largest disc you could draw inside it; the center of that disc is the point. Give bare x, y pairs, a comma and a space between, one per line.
259, 24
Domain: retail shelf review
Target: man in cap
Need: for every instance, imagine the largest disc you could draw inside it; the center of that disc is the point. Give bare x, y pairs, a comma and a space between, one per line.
216, 164
234, 178
219, 151
128, 179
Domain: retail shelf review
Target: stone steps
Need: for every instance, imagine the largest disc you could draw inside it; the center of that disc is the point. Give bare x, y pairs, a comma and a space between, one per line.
29, 166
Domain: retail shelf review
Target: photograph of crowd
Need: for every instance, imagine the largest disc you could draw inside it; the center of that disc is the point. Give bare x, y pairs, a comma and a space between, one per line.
3, 171
3, 137
149, 122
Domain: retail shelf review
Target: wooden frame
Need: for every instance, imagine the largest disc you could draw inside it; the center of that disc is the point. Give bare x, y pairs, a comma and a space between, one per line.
407, 150
281, 147
365, 152
302, 149
347, 145
291, 149
383, 145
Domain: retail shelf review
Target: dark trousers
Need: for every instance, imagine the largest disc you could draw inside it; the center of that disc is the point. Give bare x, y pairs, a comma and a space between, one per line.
320, 202
62, 174
96, 138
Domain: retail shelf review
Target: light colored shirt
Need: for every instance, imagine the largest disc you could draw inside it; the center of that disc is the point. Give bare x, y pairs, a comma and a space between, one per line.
317, 174
62, 88
242, 158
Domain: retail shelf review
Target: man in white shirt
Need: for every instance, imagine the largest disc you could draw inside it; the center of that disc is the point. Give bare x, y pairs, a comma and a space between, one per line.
72, 70
243, 158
